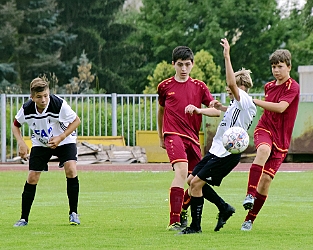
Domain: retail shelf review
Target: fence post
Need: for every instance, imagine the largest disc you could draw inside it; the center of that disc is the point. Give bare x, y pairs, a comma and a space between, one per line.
3, 129
114, 114
223, 98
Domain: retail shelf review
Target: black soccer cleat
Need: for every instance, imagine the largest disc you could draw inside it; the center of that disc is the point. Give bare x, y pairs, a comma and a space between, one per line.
223, 216
190, 230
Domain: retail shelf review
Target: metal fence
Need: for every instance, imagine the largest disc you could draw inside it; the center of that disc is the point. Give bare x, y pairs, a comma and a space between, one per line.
100, 114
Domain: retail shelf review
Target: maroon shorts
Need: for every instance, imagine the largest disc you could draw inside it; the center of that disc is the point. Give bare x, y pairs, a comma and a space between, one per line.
276, 158
181, 149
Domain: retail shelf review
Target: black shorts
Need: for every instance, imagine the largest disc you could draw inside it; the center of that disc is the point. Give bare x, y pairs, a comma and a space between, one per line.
40, 156
213, 169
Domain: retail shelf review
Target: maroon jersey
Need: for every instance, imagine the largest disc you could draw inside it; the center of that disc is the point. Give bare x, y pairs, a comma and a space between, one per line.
280, 125
174, 97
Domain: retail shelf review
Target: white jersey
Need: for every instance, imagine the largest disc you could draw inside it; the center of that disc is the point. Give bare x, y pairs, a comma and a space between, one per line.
53, 121
238, 114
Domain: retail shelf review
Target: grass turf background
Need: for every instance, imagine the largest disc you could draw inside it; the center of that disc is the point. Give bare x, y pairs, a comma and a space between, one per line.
129, 210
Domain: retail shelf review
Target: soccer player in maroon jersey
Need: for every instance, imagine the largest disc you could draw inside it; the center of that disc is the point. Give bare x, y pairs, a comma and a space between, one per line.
54, 124
272, 134
178, 131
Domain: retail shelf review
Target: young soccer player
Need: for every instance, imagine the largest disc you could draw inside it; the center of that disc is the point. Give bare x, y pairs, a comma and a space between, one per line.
272, 134
53, 123
178, 131
218, 162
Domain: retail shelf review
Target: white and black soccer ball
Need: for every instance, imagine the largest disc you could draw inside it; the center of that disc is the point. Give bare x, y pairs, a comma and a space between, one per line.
235, 140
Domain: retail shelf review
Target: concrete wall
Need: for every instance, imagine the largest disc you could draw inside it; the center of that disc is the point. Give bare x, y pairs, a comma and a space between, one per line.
306, 79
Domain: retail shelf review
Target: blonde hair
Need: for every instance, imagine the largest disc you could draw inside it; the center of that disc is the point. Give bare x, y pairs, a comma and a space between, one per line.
243, 78
38, 85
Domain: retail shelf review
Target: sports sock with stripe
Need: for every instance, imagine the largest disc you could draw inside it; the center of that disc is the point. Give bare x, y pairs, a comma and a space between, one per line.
176, 201
254, 178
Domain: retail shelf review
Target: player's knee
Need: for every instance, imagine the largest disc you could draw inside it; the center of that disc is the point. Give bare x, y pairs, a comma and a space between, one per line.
264, 151
195, 186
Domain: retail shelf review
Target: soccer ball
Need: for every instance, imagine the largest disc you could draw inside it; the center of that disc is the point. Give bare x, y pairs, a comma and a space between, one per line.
235, 140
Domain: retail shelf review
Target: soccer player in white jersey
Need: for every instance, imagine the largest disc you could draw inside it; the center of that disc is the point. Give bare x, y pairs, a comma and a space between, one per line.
53, 124
218, 162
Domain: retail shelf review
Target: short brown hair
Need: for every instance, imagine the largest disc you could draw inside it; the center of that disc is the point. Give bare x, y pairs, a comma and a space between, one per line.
281, 55
38, 85
243, 78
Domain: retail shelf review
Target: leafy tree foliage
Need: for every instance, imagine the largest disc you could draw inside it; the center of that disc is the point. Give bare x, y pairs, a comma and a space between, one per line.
162, 71
81, 84
10, 19
299, 28
252, 26
101, 36
33, 40
125, 45
206, 70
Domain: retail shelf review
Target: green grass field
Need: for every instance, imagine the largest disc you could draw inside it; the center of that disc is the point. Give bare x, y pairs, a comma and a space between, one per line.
124, 210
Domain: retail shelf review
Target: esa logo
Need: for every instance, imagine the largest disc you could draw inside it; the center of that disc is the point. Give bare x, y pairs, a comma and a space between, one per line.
42, 133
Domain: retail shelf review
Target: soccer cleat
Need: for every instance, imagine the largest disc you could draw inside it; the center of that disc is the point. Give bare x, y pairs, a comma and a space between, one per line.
223, 216
176, 226
20, 223
190, 230
248, 202
74, 220
246, 226
184, 218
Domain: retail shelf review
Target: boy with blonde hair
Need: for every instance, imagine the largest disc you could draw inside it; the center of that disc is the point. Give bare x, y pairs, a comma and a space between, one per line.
53, 123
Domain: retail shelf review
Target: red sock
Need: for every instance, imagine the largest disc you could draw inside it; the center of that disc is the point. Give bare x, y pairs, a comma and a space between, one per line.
258, 204
186, 202
254, 178
176, 202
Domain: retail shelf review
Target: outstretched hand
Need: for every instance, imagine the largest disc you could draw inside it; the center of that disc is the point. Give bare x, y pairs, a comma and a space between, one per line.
216, 104
226, 47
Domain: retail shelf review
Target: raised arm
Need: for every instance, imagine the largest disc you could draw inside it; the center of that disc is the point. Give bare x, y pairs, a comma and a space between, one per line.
230, 76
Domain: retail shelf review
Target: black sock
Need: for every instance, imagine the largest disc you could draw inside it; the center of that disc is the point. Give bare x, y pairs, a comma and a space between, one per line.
72, 193
210, 195
28, 196
196, 206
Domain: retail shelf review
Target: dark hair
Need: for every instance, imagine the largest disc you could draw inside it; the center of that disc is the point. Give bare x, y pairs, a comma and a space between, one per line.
183, 53
281, 55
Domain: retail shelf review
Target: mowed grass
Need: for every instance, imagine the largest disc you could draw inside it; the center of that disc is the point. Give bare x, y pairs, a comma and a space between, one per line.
128, 210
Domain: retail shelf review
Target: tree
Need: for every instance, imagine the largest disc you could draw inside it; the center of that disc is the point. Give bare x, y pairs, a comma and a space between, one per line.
206, 70
299, 28
11, 19
103, 39
251, 26
162, 71
81, 84
31, 40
